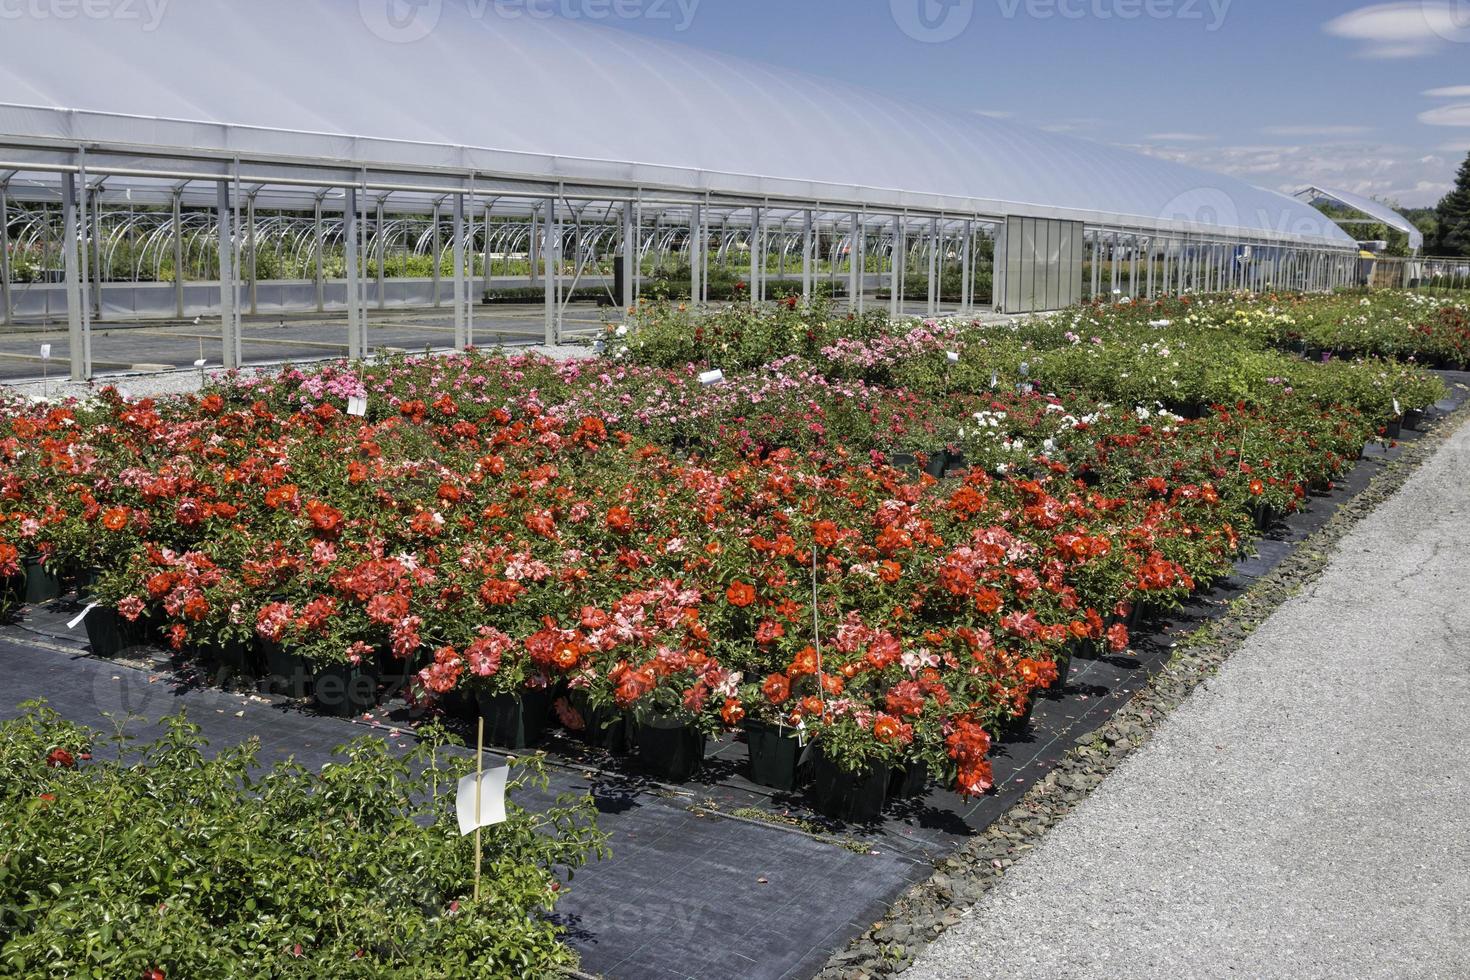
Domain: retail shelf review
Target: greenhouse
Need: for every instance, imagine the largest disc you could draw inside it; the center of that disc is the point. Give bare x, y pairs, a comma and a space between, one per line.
489, 491
191, 177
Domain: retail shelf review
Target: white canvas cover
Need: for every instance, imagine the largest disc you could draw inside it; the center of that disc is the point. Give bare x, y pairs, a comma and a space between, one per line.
457, 84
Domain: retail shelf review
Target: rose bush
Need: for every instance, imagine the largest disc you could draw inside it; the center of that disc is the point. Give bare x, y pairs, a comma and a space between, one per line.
163, 860
654, 547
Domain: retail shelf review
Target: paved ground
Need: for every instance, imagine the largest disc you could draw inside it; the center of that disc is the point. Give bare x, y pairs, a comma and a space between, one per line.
158, 360
1305, 814
165, 346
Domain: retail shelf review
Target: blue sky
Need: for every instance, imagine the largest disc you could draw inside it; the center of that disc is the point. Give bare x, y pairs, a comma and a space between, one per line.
1278, 92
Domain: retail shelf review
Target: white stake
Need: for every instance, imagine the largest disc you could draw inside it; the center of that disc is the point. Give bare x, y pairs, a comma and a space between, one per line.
479, 791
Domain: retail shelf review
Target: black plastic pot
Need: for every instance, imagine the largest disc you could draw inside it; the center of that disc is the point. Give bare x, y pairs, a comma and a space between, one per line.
1018, 724
957, 466
603, 728
286, 672
396, 674
516, 721
108, 633
669, 749
345, 689
1064, 669
774, 754
850, 797
1414, 420
1394, 429
908, 781
235, 661
938, 464
1264, 516
907, 462
41, 585
458, 704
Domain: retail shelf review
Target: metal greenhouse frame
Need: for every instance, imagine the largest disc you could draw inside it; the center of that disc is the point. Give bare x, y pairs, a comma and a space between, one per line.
823, 182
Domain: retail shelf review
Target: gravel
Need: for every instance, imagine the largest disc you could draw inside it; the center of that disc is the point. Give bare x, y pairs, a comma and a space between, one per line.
1304, 813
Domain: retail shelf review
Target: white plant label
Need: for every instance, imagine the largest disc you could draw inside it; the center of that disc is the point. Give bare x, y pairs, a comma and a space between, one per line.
357, 406
491, 787
45, 352
200, 363
712, 377
81, 616
954, 357
1396, 410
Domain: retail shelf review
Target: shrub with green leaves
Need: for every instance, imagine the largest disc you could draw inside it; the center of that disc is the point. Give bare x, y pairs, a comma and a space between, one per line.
120, 859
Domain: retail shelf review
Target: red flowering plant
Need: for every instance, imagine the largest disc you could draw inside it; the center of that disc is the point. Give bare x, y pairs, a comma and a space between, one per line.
657, 546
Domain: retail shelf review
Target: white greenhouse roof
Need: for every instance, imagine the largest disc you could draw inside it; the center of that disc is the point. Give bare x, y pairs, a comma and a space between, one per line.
1373, 209
552, 99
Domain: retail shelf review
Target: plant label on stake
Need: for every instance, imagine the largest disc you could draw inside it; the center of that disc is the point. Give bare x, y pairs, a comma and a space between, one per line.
81, 616
954, 357
357, 406
45, 352
712, 378
490, 804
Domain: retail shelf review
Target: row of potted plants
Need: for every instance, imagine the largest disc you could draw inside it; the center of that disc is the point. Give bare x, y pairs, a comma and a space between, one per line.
510, 533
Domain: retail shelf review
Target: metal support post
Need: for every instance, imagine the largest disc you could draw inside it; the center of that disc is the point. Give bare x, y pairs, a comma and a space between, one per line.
696, 255
807, 247
354, 274
438, 254
318, 240
461, 287
71, 234
177, 219
227, 297
552, 252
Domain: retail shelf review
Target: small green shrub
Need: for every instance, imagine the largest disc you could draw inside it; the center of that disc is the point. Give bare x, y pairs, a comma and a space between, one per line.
157, 857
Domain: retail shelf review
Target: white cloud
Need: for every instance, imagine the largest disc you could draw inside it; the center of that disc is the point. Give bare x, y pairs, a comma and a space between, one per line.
1450, 92
1387, 171
1179, 138
1447, 115
1316, 130
1073, 126
1404, 30
994, 113
1462, 147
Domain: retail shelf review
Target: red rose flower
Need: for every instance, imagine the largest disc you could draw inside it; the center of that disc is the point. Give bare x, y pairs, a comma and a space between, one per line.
740, 594
777, 689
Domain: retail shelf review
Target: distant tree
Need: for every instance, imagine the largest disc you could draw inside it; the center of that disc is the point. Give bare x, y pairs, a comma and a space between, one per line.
1454, 216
